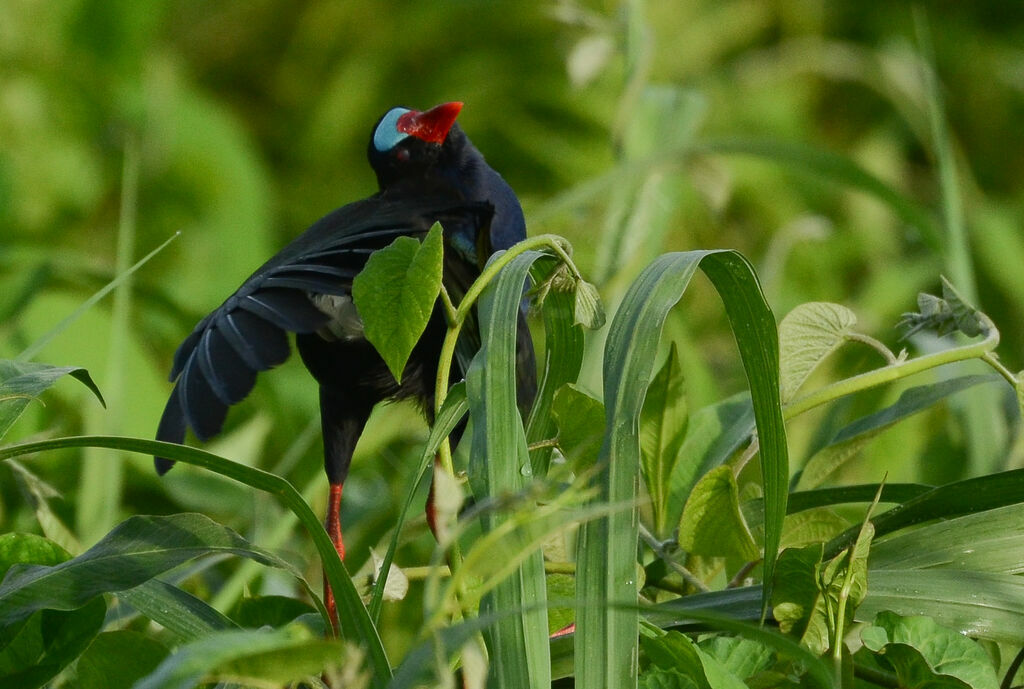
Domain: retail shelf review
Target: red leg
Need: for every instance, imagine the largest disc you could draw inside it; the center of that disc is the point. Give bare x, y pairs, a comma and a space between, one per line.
333, 527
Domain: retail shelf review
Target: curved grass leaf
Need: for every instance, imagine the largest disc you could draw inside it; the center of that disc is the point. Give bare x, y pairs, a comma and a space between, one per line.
978, 604
500, 464
951, 500
607, 625
355, 621
989, 541
274, 655
177, 611
23, 381
136, 550
395, 295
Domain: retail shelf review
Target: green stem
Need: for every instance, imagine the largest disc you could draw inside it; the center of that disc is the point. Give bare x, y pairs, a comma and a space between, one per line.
842, 388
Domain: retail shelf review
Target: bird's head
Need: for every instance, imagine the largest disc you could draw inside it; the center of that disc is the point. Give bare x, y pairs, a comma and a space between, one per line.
408, 143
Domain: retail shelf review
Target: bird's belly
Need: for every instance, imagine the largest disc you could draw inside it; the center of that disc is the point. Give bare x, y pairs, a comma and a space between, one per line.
345, 323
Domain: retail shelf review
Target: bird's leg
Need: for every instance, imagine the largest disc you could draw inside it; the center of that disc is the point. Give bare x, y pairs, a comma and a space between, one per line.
333, 527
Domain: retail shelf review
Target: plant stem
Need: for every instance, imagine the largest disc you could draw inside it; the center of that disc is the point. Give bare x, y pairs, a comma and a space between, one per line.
887, 374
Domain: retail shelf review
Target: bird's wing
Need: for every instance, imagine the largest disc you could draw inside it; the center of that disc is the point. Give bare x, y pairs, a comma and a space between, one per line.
216, 366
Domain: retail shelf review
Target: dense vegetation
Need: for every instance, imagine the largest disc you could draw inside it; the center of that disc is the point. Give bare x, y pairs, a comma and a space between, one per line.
826, 467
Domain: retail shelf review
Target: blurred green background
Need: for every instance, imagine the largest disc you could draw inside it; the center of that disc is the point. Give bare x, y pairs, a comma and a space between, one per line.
632, 128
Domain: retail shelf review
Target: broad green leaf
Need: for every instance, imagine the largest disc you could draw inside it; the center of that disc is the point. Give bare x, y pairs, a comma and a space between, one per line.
23, 381
47, 642
741, 657
588, 310
923, 654
500, 464
606, 550
714, 617
134, 552
277, 656
796, 597
35, 649
118, 659
807, 336
395, 295
990, 541
663, 424
26, 548
811, 526
712, 524
580, 420
979, 604
675, 651
809, 592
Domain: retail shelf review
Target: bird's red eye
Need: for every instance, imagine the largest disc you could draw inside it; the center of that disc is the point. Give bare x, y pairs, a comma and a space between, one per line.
402, 154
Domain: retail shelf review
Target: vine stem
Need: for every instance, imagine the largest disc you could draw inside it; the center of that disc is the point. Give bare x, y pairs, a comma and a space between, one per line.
976, 350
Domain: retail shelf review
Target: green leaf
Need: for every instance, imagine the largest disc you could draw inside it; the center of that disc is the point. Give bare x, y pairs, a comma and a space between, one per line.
26, 548
134, 552
34, 650
978, 604
990, 541
180, 613
499, 465
712, 524
47, 642
118, 659
580, 419
807, 336
355, 621
588, 310
275, 656
923, 654
395, 295
663, 424
606, 550
23, 381
709, 437
741, 657
961, 497
852, 438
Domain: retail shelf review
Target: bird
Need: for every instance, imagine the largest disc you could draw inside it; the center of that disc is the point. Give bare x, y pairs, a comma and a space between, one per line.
427, 171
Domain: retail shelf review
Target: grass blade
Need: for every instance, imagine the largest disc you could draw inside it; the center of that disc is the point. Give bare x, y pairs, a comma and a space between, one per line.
500, 463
